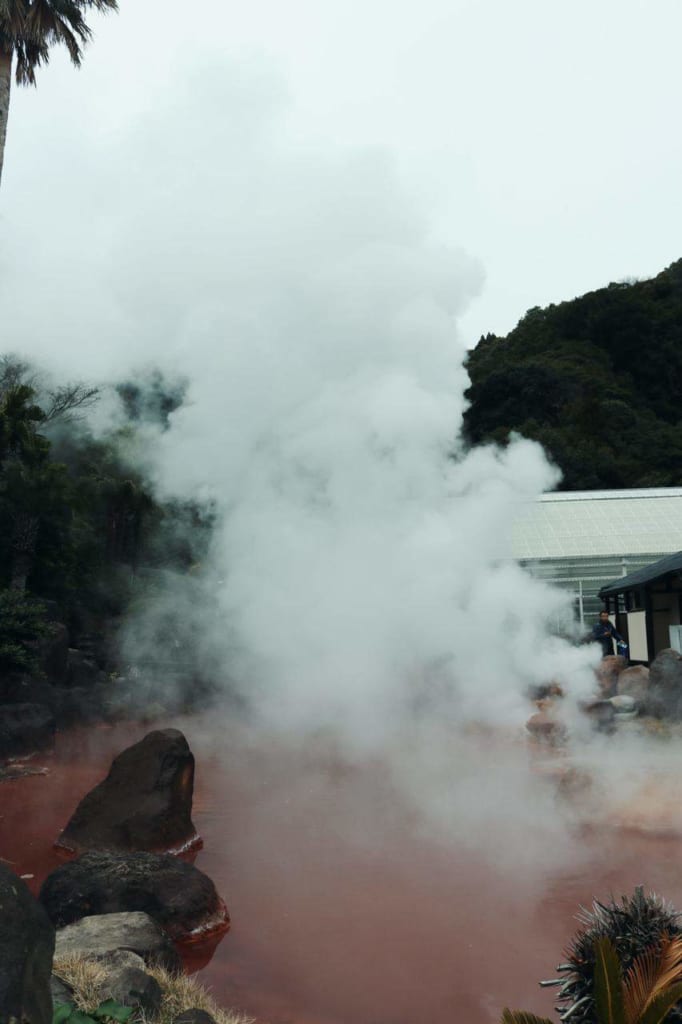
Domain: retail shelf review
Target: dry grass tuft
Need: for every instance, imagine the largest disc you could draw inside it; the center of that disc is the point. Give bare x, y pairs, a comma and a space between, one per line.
87, 979
182, 992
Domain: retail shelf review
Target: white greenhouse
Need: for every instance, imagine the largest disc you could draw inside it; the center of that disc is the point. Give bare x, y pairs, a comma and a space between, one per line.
584, 540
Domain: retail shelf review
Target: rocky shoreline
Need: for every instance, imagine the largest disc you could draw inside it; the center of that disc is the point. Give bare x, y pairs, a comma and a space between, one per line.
122, 900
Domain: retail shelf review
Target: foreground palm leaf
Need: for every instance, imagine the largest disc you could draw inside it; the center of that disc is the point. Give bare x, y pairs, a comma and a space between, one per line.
608, 984
634, 924
646, 994
661, 1005
521, 1017
653, 978
28, 30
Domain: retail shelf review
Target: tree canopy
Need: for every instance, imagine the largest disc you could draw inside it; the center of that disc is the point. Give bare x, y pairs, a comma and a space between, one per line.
596, 380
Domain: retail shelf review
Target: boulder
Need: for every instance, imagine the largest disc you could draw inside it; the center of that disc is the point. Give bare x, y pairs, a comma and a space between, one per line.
544, 727
601, 712
25, 728
107, 933
26, 946
177, 895
634, 682
145, 802
194, 1016
665, 685
128, 983
607, 673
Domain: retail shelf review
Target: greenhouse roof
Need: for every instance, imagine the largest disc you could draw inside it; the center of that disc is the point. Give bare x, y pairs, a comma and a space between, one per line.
574, 524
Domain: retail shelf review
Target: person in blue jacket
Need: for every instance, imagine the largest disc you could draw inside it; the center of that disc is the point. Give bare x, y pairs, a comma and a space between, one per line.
604, 632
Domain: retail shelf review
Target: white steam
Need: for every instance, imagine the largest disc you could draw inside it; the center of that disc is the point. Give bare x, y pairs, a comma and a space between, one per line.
361, 577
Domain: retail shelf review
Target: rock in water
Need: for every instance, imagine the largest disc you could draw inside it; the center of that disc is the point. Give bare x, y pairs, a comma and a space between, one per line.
145, 802
177, 895
26, 948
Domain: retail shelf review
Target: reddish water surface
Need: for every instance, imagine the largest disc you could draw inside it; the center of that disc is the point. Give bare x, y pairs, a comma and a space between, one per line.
341, 911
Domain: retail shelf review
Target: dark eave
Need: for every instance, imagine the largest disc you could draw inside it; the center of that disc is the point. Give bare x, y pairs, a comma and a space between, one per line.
671, 565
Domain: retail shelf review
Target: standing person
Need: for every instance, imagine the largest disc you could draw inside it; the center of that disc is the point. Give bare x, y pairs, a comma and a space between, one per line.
604, 632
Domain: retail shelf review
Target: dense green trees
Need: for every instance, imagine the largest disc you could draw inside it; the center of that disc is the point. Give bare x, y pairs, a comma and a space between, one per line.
28, 30
78, 522
595, 380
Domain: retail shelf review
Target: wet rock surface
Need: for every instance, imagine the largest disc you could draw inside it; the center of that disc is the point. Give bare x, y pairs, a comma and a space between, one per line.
145, 802
177, 895
27, 940
106, 933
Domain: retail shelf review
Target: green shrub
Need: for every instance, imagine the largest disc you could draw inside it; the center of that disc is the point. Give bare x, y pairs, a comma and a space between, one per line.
22, 623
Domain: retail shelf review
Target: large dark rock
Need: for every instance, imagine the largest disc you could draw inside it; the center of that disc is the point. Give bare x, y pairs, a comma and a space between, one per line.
27, 940
665, 685
25, 728
145, 802
106, 933
177, 895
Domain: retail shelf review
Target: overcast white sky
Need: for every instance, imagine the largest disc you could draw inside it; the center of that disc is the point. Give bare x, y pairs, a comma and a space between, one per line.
543, 136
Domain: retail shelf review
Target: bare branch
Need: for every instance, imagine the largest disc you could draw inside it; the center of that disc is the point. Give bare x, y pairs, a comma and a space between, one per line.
65, 399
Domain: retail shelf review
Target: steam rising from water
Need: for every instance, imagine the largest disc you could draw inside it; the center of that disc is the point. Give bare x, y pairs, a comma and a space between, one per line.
361, 580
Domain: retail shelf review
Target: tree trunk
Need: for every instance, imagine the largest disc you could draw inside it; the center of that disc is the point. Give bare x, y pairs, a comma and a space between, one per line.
5, 83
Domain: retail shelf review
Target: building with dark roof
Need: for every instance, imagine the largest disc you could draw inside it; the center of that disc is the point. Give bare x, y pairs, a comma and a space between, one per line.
647, 605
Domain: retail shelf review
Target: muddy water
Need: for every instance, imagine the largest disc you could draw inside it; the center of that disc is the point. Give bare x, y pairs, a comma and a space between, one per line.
342, 909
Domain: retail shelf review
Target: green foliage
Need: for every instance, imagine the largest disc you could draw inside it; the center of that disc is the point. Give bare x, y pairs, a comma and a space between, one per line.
644, 995
22, 623
608, 984
624, 966
110, 1010
79, 524
595, 380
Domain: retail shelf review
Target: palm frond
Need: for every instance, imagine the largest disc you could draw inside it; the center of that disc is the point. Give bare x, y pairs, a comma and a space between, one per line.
660, 1007
521, 1017
650, 974
29, 28
608, 984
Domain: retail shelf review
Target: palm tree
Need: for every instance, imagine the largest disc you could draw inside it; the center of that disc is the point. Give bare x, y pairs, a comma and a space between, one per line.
644, 994
28, 29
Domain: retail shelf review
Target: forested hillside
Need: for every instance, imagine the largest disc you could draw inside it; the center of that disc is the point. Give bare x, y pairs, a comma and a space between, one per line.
597, 381
80, 529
